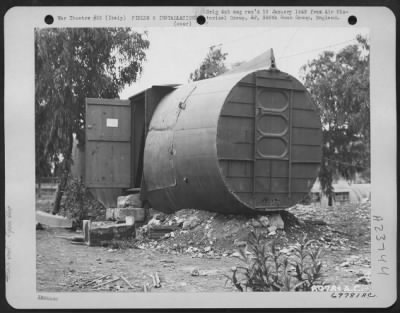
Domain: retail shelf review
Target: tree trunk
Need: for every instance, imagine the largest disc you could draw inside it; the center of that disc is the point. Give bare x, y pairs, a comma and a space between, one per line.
61, 187
64, 177
39, 194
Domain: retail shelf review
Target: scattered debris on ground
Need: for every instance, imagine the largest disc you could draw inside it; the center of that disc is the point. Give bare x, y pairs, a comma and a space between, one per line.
193, 250
104, 282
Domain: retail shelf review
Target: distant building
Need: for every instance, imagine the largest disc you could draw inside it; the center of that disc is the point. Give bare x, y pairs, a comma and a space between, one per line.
344, 192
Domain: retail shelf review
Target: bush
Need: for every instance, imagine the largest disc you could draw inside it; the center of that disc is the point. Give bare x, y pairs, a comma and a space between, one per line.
269, 268
78, 204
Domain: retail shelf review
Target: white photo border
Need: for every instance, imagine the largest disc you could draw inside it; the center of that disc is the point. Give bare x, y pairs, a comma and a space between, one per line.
19, 25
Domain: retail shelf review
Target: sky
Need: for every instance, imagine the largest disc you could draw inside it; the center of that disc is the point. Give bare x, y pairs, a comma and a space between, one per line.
176, 52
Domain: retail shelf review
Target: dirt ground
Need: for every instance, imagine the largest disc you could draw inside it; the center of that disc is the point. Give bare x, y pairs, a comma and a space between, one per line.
197, 259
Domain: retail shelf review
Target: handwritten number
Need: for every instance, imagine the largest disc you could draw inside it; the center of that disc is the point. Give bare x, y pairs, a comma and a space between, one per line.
377, 228
377, 218
382, 272
381, 237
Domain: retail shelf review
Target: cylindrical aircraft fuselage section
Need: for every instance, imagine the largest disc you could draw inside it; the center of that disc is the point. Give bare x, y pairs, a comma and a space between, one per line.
235, 143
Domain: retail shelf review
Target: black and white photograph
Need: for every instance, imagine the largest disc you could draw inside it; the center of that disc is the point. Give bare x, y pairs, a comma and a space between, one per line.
221, 174
197, 159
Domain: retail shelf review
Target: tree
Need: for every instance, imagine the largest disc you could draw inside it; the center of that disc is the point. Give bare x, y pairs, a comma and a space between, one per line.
70, 65
339, 85
212, 66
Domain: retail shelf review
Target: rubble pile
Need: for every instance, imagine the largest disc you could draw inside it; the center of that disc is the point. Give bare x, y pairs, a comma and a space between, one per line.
204, 234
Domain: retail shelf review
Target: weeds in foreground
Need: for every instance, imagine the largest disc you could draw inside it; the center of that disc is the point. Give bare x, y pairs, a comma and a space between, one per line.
268, 268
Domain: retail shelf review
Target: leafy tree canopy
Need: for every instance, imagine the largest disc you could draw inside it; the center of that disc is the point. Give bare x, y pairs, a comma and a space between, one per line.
70, 65
212, 65
339, 85
74, 63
